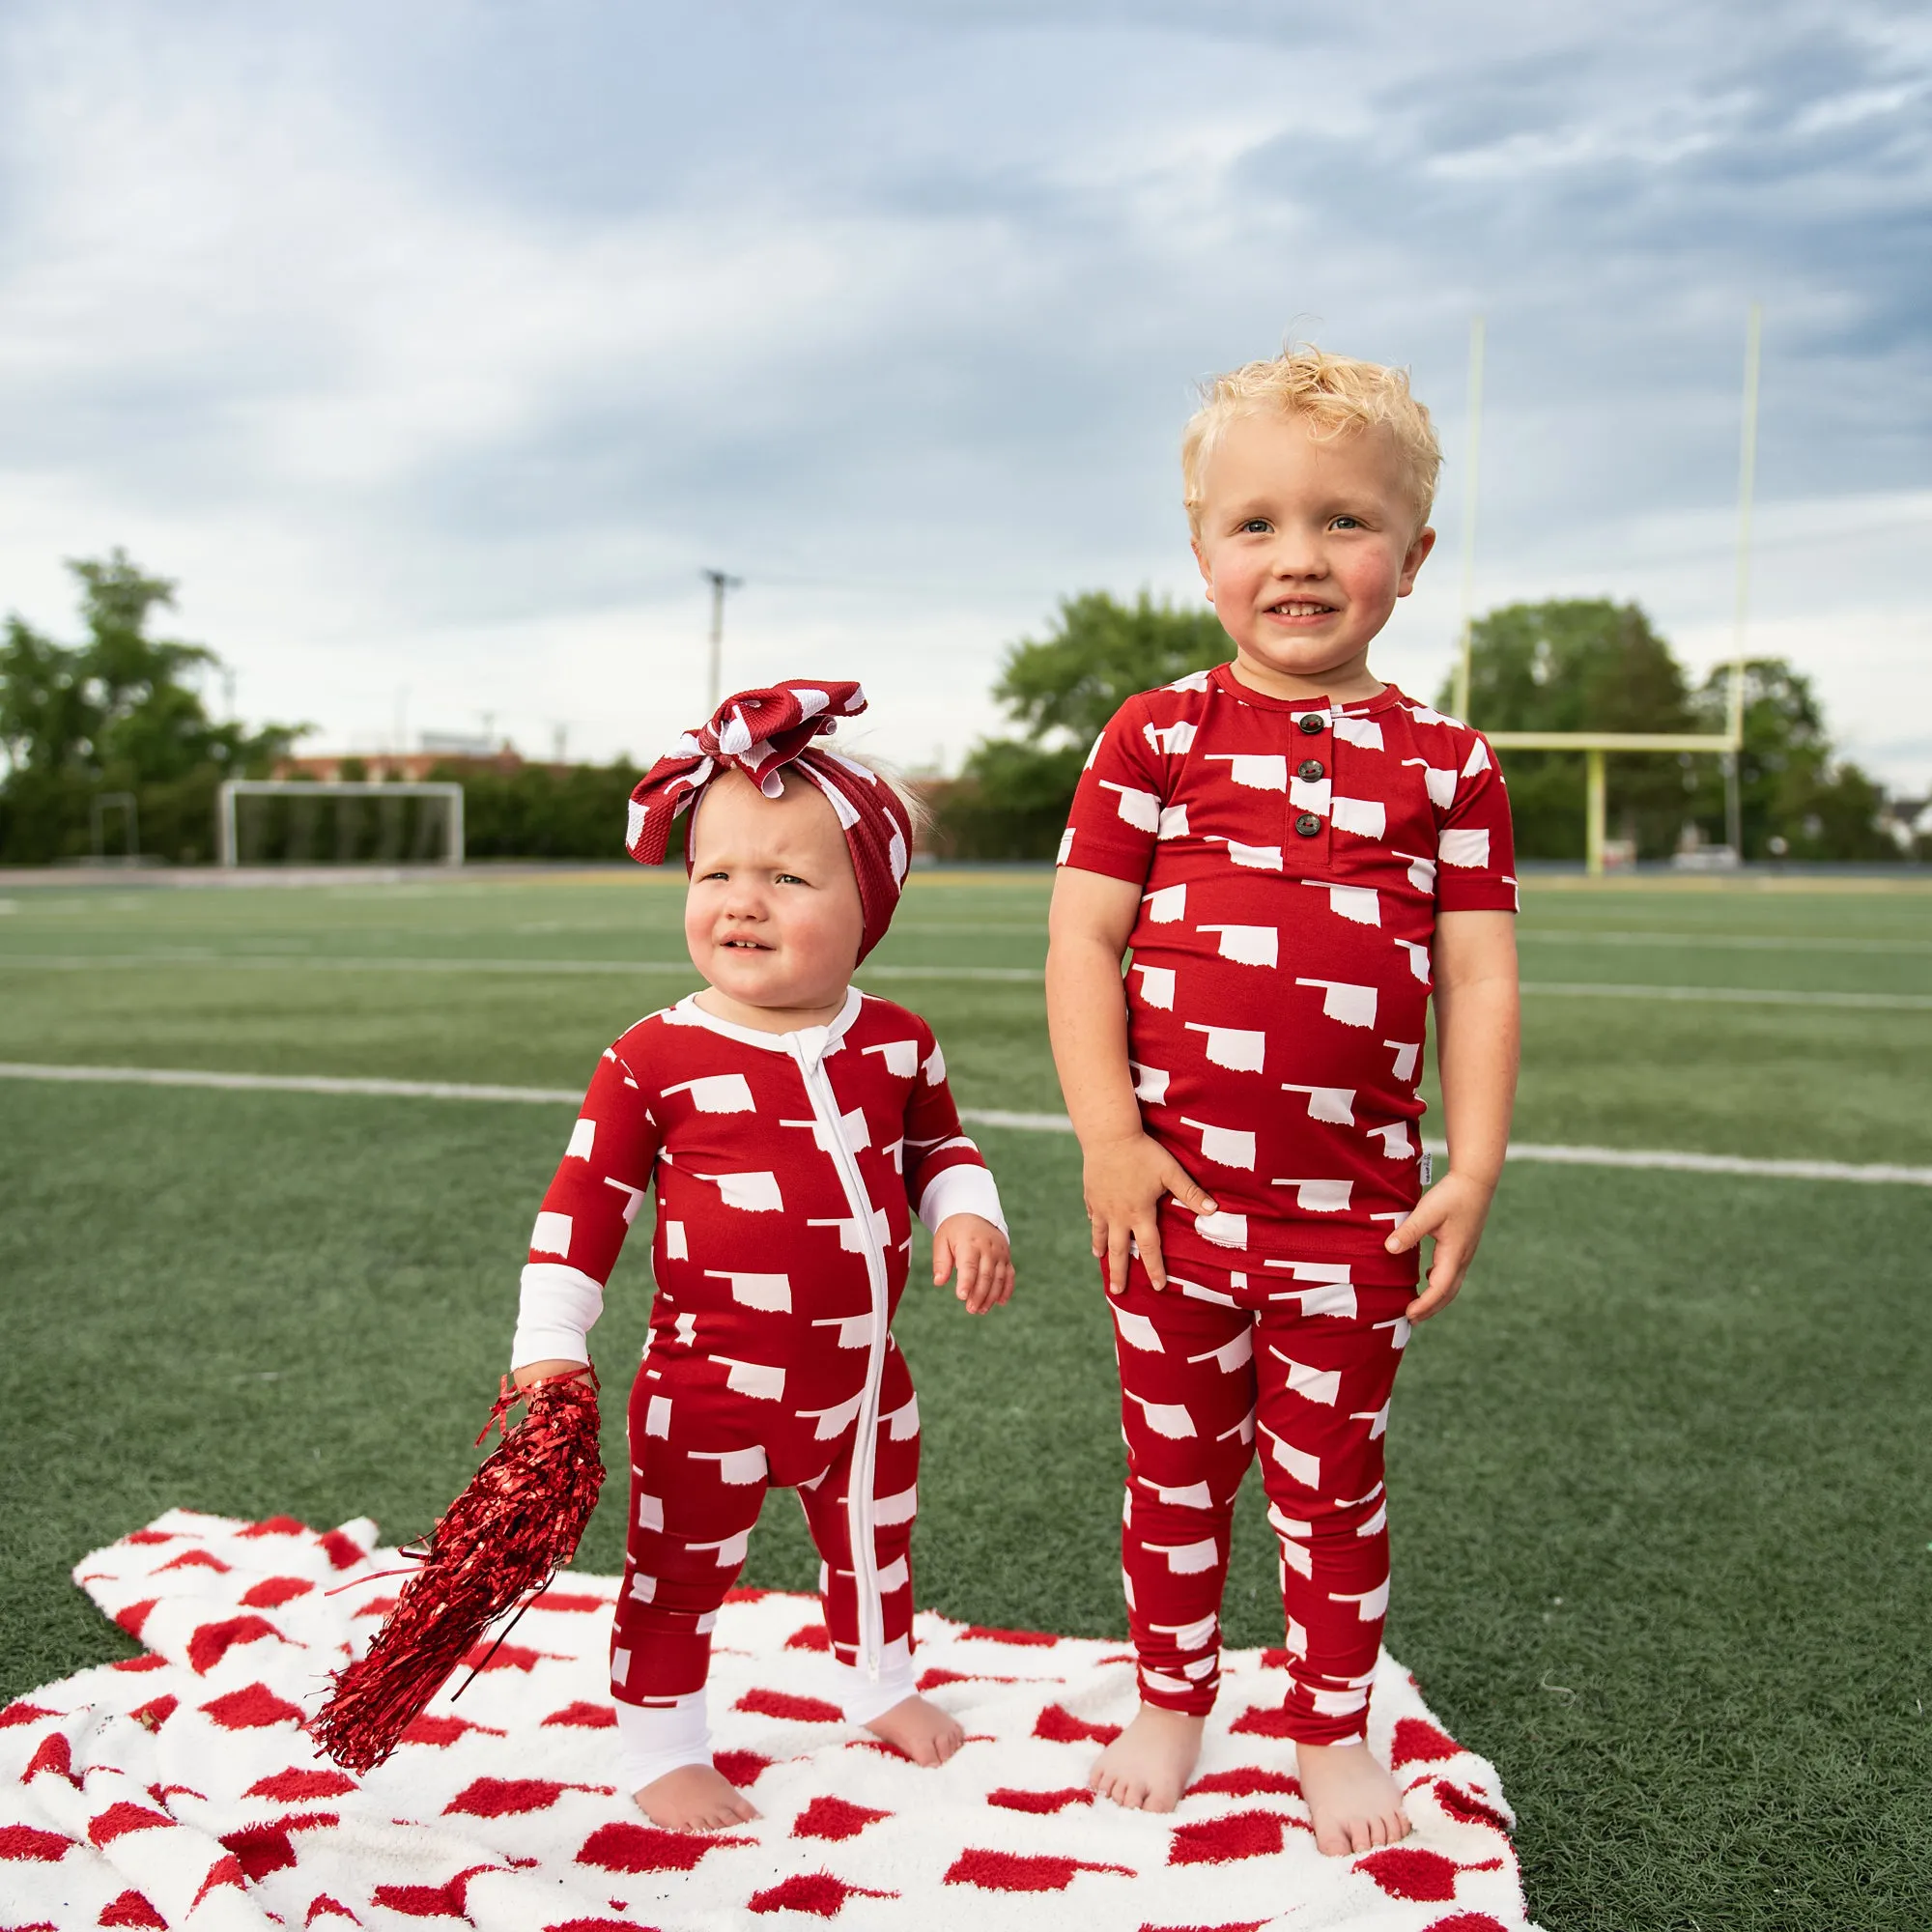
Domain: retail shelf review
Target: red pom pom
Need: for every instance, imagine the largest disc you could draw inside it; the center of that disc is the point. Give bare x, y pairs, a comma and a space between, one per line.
501, 1541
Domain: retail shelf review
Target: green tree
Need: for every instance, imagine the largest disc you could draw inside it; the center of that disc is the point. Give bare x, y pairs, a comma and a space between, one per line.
1790, 787
119, 712
1576, 665
1010, 801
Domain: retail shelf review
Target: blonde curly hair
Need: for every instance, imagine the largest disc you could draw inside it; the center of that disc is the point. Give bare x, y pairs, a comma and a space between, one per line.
1339, 396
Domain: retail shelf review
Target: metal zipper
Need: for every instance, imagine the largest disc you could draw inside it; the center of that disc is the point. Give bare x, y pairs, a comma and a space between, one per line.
859, 1525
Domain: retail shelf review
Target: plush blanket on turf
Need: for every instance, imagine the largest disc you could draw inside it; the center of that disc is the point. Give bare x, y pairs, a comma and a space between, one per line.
179, 1788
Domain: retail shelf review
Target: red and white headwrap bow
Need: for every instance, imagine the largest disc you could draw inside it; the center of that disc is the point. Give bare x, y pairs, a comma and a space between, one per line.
760, 734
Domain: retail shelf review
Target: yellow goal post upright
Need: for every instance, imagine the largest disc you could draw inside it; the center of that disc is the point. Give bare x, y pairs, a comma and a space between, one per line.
1595, 746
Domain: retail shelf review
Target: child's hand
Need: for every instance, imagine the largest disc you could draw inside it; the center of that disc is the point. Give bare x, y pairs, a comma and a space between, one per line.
1453, 1212
1124, 1181
982, 1257
538, 1372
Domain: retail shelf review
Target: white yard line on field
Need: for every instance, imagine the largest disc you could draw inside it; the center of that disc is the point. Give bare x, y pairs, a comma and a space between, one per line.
983, 1117
62, 962
1731, 996
1728, 942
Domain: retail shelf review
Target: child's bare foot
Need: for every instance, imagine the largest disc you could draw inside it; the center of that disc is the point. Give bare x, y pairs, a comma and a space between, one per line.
695, 1798
1353, 1801
1148, 1766
926, 1734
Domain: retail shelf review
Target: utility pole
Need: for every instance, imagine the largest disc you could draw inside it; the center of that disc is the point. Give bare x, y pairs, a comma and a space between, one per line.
720, 582
1474, 432
1734, 722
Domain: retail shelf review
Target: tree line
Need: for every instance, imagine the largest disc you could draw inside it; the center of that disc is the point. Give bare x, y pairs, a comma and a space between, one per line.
122, 712
1568, 664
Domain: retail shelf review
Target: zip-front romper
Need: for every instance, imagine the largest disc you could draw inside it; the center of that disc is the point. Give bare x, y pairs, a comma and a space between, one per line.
787, 1168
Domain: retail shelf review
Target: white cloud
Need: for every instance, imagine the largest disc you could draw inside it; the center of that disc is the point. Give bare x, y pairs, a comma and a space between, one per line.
440, 350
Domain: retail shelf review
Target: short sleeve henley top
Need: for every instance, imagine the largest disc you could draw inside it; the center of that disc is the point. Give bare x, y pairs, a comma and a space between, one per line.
1293, 858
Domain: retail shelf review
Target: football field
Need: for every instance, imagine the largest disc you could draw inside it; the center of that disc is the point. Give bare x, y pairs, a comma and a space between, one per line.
1661, 1480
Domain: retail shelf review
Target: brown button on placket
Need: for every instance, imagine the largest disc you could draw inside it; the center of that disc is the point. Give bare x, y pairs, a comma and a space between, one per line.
1311, 828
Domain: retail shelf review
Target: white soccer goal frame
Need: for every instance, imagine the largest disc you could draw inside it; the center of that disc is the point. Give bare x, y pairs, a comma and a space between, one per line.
228, 847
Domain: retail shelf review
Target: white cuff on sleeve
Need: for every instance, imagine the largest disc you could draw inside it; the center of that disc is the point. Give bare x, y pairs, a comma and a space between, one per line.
559, 1307
965, 1189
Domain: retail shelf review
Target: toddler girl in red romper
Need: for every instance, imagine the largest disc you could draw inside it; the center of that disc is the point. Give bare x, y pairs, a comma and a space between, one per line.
790, 1125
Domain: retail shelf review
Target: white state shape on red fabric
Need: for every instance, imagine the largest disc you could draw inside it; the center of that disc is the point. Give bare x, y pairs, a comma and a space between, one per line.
1224, 1230
717, 1094
1156, 988
1246, 945
1366, 817
1347, 1005
1336, 1104
1407, 1054
550, 1235
1362, 904
1466, 845
769, 1292
1225, 1147
1256, 857
737, 1466
1239, 1050
1136, 1330
755, 1193
1319, 1197
1170, 1419
1439, 784
902, 1057
1257, 771
1139, 808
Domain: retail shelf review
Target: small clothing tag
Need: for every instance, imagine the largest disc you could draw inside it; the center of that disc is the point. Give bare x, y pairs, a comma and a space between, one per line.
1428, 1168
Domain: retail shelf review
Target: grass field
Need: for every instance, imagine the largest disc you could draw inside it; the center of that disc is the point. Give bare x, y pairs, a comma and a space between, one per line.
1661, 1481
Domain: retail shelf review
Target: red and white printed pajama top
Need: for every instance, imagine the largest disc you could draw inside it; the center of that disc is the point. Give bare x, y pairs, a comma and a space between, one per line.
786, 1169
1293, 859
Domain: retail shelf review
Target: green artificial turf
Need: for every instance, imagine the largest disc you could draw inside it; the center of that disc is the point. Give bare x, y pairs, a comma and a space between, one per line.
1660, 1481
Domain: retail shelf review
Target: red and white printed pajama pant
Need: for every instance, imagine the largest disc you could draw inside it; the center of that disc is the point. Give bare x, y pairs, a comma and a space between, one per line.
702, 1455
1218, 1364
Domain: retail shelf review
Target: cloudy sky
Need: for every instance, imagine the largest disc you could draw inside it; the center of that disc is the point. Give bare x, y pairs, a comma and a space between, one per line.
437, 348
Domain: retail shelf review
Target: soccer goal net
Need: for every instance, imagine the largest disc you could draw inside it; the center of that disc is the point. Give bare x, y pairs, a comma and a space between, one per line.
296, 822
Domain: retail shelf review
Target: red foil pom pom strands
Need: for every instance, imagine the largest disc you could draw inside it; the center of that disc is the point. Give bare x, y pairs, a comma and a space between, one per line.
499, 1541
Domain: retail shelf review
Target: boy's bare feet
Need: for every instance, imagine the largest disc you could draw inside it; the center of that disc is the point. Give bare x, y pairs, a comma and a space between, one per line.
1353, 1801
1148, 1766
926, 1734
695, 1798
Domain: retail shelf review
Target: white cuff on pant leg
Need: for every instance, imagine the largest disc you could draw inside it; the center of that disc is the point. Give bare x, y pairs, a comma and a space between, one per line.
655, 1739
864, 1698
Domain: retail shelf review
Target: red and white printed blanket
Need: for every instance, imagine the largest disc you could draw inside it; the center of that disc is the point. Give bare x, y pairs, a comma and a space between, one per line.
178, 1789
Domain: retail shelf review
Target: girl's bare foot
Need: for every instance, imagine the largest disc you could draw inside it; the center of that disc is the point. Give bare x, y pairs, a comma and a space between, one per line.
1148, 1766
926, 1734
695, 1798
1353, 1801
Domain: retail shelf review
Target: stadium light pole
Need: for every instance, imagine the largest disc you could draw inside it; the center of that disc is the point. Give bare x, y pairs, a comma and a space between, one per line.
720, 582
1465, 643
1734, 720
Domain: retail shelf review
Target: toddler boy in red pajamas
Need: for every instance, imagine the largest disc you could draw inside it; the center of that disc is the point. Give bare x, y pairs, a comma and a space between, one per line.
790, 1125
1298, 856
